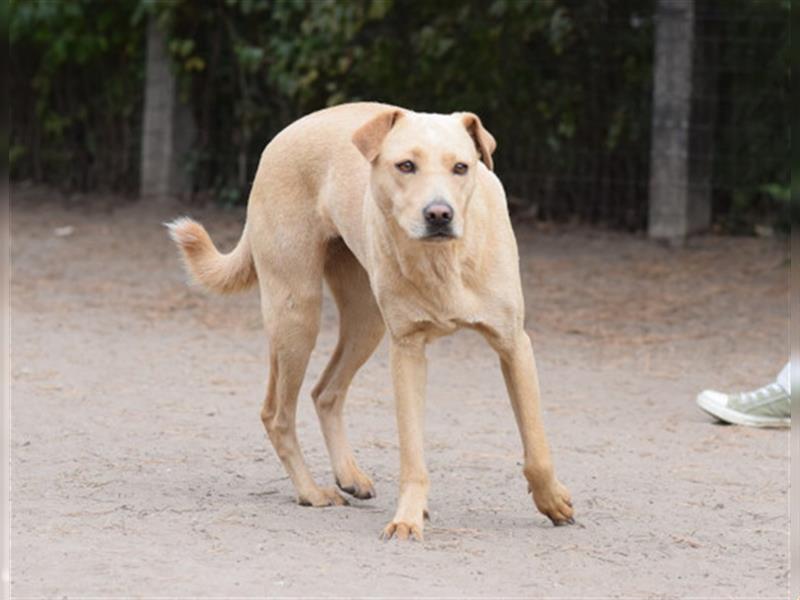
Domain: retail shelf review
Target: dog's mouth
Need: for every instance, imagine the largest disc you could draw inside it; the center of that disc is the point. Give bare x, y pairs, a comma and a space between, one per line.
439, 234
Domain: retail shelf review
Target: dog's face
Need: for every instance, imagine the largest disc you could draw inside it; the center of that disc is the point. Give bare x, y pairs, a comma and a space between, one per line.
424, 168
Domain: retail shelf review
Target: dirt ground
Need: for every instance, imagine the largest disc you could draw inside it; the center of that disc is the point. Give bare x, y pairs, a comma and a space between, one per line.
140, 467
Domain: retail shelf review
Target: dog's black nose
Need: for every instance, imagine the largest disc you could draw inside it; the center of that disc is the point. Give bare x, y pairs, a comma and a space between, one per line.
438, 213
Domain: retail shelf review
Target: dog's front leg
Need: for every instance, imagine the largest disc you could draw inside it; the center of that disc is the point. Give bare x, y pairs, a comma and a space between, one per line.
522, 381
409, 369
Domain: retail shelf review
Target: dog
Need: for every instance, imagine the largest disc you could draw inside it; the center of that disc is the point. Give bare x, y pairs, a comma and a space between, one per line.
402, 215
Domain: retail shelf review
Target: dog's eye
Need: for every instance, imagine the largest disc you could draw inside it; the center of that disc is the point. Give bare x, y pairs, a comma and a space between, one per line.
406, 166
460, 169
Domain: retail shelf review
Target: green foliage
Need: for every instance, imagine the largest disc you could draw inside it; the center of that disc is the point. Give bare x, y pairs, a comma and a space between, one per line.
565, 87
520, 64
76, 76
753, 142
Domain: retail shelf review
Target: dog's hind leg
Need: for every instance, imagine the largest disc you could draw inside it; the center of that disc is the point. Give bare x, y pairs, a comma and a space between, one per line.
360, 331
291, 297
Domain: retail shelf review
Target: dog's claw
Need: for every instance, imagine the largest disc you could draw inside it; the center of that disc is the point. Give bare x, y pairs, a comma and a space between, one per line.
325, 497
356, 491
361, 495
402, 531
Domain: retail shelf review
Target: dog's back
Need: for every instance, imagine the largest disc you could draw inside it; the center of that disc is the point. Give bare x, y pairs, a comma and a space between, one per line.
308, 172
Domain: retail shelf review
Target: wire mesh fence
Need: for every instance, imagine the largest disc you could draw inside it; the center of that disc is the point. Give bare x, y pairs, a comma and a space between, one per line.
738, 135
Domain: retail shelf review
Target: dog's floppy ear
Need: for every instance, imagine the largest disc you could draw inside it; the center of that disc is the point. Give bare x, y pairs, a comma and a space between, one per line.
369, 137
484, 141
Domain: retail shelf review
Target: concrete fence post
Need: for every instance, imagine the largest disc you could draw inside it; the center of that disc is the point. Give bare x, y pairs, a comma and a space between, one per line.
167, 128
682, 123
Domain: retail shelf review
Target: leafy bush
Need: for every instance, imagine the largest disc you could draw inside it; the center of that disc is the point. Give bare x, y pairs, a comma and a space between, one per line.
77, 72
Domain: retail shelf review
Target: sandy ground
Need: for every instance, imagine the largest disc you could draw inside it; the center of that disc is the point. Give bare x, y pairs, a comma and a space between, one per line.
140, 467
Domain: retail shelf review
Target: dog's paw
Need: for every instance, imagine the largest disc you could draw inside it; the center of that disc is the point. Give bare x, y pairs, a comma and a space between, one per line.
402, 531
322, 497
357, 484
555, 503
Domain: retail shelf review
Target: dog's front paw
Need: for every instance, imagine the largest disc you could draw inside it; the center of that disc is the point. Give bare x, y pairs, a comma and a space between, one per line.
554, 502
402, 530
322, 497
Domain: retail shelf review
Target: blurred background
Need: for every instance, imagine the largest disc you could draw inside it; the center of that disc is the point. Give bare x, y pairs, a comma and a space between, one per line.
670, 115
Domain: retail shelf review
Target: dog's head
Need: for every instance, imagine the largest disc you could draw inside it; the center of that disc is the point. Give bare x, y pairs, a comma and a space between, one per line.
424, 168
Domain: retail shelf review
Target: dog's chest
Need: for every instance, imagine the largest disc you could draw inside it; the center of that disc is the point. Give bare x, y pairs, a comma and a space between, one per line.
435, 294
435, 312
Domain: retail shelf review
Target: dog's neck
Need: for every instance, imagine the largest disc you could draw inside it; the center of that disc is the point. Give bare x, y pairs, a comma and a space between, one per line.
437, 269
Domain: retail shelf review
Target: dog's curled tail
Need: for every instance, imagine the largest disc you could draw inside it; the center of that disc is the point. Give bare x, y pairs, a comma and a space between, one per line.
222, 273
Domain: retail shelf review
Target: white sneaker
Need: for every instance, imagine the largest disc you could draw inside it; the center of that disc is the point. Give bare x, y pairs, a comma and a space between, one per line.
768, 406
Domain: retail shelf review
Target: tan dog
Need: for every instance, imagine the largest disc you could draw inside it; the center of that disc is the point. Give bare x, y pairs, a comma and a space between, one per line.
401, 214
